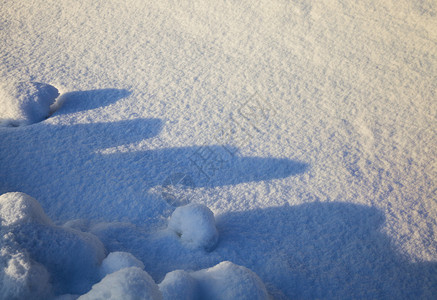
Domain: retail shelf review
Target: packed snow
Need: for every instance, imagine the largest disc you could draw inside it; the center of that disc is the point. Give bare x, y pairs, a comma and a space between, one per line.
218, 150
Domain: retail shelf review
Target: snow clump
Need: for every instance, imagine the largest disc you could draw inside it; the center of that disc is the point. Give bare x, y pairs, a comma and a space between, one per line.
225, 281
19, 208
180, 285
20, 276
25, 103
195, 224
34, 249
116, 261
128, 284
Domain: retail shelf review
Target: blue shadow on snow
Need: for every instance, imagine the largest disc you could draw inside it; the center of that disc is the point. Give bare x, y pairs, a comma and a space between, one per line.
81, 180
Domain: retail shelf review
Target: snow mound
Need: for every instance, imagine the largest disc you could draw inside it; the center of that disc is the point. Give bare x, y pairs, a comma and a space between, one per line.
127, 283
195, 224
71, 257
179, 284
25, 103
116, 261
224, 281
21, 277
19, 208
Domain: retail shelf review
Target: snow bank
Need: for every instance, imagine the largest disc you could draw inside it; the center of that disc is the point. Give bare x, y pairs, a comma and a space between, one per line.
32, 248
127, 283
25, 103
195, 224
116, 261
224, 281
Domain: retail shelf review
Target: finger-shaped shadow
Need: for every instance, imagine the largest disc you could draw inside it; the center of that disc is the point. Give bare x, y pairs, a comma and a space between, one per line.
207, 166
73, 176
99, 136
325, 250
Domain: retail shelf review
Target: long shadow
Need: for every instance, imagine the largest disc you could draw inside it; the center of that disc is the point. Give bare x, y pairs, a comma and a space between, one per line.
64, 167
317, 250
309, 251
326, 250
154, 166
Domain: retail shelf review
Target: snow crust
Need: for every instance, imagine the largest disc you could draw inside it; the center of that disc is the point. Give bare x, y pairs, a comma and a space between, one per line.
24, 103
195, 224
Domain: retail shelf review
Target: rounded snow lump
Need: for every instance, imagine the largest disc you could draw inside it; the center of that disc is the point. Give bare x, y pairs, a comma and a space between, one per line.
71, 257
19, 208
20, 276
128, 284
119, 260
195, 224
25, 103
225, 281
180, 285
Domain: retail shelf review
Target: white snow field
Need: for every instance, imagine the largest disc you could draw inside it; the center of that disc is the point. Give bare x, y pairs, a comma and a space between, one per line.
218, 149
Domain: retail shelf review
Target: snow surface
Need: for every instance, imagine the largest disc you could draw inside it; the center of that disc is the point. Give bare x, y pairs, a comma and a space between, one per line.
307, 127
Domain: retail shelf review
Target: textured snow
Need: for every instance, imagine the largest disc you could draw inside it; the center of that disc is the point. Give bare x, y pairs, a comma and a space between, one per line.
307, 127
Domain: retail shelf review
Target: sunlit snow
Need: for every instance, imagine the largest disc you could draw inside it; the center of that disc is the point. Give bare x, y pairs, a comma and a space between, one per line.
218, 149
